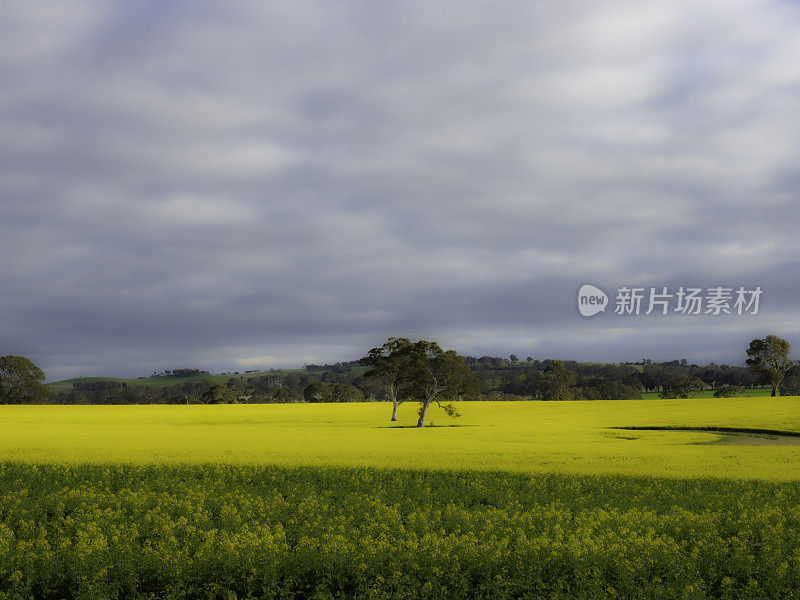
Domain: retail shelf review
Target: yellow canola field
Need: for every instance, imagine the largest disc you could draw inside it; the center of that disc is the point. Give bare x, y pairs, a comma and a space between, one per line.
566, 437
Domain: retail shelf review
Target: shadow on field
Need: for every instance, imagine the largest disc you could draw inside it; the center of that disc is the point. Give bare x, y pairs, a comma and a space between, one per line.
415, 427
730, 436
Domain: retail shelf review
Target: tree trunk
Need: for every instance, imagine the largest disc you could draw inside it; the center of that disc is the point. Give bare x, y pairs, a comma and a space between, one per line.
423, 413
393, 398
774, 390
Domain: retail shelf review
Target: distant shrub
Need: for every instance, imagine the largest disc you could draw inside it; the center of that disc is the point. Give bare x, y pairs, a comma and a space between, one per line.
218, 394
316, 391
286, 395
682, 386
497, 396
791, 386
342, 392
730, 391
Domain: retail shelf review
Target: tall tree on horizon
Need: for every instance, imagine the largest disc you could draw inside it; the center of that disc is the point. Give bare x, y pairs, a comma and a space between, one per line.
770, 359
21, 381
559, 381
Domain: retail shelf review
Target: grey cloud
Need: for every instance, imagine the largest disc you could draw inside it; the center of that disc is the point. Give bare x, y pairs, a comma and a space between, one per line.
226, 184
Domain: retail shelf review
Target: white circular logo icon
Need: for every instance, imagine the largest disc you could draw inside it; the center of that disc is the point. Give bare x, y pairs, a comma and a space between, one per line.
591, 300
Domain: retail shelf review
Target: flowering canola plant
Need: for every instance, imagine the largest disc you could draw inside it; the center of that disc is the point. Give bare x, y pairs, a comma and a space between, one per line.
520, 500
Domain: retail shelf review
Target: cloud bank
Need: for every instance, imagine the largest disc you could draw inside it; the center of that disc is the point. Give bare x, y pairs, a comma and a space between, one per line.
245, 185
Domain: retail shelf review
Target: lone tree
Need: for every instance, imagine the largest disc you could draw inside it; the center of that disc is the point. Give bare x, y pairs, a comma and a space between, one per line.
392, 363
439, 376
770, 359
21, 381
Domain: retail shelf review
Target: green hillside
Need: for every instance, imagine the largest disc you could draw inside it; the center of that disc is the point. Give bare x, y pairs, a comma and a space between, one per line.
65, 385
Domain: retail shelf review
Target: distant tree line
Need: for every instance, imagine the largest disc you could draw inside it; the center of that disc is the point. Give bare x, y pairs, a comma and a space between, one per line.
495, 378
339, 367
498, 379
274, 387
570, 380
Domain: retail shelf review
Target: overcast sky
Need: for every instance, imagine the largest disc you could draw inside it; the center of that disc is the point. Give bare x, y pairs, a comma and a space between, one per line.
233, 186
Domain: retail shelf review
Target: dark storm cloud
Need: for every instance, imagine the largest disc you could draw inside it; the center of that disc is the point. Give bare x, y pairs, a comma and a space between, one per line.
239, 186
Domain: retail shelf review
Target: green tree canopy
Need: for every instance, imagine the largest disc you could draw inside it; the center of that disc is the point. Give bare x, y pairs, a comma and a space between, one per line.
316, 391
420, 371
681, 386
344, 392
438, 376
219, 394
559, 381
770, 359
791, 386
21, 381
392, 364
286, 394
730, 391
